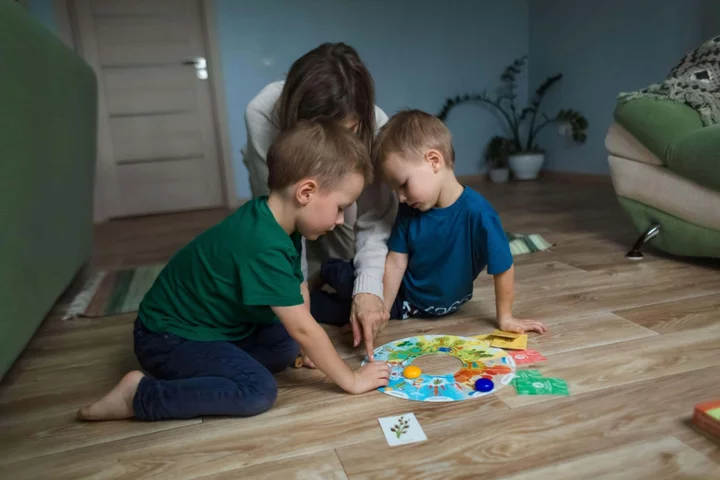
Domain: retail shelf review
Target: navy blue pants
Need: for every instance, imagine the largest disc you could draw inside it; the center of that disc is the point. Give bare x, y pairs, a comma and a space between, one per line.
189, 378
334, 308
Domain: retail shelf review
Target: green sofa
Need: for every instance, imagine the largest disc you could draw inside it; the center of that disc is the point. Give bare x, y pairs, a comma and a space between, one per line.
665, 167
48, 117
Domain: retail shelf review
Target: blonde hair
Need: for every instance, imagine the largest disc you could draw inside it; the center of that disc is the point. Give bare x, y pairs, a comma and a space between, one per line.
413, 132
321, 149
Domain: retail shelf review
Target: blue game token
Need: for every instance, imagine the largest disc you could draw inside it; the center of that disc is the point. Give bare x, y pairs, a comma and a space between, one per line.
484, 385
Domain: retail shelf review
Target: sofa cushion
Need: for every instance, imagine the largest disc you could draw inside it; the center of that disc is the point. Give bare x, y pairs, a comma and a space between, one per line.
697, 157
657, 124
666, 191
620, 143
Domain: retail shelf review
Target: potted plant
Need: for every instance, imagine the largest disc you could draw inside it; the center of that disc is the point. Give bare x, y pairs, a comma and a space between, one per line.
525, 155
496, 158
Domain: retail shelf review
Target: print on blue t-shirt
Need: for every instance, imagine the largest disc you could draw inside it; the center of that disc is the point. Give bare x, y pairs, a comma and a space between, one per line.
447, 249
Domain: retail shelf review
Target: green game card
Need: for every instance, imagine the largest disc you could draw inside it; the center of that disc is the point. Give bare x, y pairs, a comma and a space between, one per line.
526, 375
542, 386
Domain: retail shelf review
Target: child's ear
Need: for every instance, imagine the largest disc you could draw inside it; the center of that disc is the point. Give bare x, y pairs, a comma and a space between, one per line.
305, 190
435, 159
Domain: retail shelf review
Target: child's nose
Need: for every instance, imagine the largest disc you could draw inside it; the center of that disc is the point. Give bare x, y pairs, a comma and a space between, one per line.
403, 198
340, 218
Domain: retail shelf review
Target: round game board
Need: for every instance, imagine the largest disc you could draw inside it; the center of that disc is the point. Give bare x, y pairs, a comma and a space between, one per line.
479, 360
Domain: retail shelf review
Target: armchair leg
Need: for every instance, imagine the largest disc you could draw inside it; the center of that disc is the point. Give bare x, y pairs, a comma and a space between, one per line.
651, 232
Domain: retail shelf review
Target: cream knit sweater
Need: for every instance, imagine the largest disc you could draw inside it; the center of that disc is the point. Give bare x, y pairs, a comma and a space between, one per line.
370, 222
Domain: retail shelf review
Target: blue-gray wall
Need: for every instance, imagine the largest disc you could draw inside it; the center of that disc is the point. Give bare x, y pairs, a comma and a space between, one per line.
711, 18
418, 51
604, 48
421, 51
43, 12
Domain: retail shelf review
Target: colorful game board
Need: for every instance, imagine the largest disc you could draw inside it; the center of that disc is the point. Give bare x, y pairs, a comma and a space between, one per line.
479, 360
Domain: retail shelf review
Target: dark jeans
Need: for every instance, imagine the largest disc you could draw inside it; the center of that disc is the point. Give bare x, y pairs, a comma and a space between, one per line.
334, 308
193, 378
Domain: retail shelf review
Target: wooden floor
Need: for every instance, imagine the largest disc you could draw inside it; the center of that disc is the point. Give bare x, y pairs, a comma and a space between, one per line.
638, 343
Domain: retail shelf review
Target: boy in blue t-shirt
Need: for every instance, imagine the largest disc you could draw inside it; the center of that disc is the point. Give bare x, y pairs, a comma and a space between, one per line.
444, 235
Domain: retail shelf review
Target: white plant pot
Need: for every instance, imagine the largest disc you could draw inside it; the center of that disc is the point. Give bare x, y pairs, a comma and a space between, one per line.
499, 175
526, 166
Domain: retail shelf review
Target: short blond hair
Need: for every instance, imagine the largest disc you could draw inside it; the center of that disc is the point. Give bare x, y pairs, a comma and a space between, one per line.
413, 132
321, 149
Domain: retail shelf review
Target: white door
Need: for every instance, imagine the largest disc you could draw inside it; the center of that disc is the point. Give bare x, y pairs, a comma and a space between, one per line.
158, 149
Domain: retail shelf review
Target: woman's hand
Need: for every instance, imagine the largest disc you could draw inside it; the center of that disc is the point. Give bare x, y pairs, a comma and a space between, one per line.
367, 317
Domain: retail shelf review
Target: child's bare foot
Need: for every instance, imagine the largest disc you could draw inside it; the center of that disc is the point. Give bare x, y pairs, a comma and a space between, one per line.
307, 362
303, 360
116, 404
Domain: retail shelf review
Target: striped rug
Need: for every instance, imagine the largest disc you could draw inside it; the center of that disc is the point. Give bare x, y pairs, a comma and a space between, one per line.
121, 291
521, 244
113, 292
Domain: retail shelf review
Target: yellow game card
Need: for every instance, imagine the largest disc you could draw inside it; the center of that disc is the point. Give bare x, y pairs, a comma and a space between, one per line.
501, 334
483, 340
519, 343
481, 337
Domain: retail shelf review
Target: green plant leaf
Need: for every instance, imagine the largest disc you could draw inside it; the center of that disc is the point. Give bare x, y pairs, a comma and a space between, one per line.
503, 102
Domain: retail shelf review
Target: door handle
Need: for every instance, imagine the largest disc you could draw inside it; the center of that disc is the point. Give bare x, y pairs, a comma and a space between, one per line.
200, 65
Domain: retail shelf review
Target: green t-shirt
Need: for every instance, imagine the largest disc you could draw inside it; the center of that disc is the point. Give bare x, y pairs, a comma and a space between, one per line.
222, 284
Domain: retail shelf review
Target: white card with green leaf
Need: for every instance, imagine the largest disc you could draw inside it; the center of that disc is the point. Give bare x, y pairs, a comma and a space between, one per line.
402, 429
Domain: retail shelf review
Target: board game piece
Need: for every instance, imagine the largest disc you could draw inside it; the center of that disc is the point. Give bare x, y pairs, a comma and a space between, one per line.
526, 375
542, 386
478, 360
412, 372
526, 357
484, 385
706, 417
402, 429
502, 334
519, 343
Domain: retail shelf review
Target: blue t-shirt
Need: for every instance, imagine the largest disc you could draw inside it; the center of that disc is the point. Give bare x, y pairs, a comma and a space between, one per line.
447, 249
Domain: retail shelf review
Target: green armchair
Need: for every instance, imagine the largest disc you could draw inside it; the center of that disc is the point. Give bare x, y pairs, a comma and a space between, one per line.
665, 168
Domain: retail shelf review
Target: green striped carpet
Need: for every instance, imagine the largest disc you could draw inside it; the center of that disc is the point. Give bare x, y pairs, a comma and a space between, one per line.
121, 291
113, 292
521, 244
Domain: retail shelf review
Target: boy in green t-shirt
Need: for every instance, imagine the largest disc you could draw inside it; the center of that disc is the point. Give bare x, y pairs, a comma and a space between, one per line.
231, 308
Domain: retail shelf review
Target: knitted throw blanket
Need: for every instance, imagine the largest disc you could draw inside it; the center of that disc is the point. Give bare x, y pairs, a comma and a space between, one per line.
694, 81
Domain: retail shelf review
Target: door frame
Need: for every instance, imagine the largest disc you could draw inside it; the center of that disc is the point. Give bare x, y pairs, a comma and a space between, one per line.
103, 208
